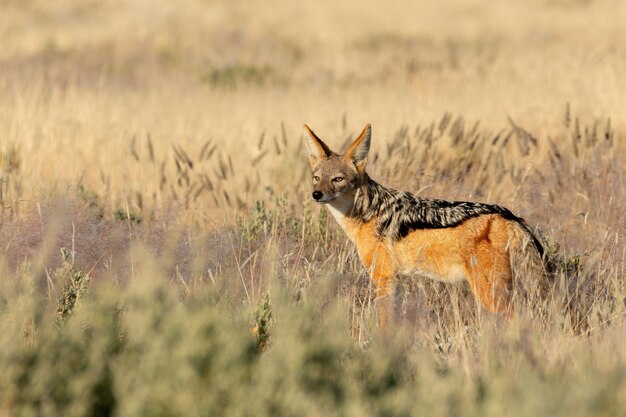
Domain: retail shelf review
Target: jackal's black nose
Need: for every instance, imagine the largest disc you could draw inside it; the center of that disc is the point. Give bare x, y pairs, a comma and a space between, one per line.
317, 195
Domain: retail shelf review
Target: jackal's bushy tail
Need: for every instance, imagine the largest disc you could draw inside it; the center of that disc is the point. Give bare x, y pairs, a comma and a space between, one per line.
530, 275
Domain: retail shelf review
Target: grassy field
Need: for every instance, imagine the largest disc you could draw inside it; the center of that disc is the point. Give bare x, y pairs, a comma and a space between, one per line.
155, 205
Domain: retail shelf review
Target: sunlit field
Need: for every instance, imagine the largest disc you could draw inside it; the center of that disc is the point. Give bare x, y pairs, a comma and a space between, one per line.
160, 252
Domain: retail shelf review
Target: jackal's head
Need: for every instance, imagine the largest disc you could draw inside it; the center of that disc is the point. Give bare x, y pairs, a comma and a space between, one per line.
337, 177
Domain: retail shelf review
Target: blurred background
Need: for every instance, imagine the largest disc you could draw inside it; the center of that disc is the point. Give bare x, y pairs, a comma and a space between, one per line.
482, 58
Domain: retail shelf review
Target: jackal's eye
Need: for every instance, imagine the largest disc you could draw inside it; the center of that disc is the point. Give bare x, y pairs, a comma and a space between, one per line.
337, 179
316, 178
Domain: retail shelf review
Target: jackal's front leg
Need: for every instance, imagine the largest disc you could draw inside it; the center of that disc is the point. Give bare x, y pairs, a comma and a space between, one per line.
385, 300
383, 274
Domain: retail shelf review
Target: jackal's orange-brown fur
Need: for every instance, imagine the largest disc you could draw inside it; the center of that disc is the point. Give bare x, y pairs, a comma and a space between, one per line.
477, 250
456, 245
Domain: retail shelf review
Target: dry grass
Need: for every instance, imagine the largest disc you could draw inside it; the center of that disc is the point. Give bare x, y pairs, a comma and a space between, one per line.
154, 196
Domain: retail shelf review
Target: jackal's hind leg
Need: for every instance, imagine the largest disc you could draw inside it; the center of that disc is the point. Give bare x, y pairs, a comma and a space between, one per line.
491, 280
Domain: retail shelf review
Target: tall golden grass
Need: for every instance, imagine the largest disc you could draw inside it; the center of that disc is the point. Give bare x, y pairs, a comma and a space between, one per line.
154, 193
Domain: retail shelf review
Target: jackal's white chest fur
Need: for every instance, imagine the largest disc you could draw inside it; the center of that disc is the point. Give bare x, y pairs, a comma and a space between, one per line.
340, 208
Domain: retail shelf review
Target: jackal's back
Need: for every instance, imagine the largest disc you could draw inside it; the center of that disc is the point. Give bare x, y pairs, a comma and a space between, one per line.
397, 213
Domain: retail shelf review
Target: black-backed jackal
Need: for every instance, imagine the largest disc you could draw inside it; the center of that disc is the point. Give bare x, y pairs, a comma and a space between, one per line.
396, 232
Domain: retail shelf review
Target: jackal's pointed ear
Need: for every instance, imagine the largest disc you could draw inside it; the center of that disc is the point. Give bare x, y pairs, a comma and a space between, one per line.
357, 152
318, 150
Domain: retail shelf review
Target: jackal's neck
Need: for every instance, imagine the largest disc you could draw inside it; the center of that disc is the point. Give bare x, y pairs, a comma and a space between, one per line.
350, 212
371, 198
